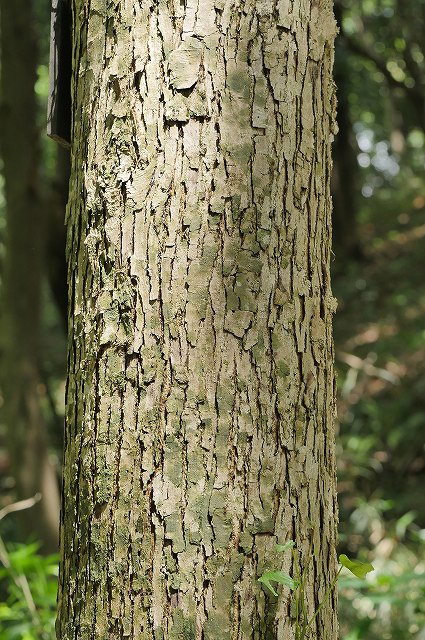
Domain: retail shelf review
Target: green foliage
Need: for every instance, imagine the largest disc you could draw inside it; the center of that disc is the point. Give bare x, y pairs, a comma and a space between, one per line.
28, 594
298, 603
357, 568
277, 576
393, 606
380, 320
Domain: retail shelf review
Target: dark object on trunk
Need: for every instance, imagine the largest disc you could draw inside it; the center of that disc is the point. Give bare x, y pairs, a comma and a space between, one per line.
59, 105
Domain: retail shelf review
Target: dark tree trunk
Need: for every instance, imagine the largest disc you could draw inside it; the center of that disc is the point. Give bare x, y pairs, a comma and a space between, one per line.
23, 269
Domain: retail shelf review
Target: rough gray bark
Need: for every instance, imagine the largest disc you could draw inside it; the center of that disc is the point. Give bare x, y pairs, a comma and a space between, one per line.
200, 399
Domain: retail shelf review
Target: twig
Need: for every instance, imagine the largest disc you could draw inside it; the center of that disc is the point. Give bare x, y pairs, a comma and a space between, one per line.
354, 362
20, 505
20, 580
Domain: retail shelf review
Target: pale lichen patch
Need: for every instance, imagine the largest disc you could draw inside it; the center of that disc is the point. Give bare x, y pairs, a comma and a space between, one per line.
237, 322
184, 63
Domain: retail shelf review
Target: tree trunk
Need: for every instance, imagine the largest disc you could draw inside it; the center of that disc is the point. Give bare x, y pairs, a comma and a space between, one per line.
345, 181
22, 278
56, 236
200, 399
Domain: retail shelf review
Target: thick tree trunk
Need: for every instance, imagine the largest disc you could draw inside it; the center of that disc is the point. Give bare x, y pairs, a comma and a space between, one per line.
22, 277
200, 399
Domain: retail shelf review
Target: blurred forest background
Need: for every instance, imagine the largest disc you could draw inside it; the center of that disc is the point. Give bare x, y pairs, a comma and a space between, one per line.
378, 278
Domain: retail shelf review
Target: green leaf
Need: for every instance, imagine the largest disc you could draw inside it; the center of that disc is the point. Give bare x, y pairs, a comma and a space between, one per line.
286, 546
359, 569
6, 613
277, 576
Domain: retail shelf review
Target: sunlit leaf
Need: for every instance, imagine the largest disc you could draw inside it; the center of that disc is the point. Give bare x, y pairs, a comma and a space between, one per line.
277, 576
357, 568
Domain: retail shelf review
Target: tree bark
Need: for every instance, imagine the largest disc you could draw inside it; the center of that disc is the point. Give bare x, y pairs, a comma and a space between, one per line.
200, 398
22, 277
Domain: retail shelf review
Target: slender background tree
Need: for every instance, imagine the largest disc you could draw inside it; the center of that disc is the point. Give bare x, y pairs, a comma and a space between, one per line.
23, 269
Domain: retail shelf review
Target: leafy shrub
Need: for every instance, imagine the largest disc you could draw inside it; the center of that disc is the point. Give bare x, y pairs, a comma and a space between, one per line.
28, 586
391, 603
